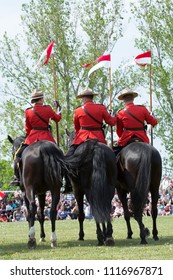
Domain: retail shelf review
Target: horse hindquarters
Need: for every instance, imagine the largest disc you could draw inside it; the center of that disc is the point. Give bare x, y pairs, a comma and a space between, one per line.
134, 165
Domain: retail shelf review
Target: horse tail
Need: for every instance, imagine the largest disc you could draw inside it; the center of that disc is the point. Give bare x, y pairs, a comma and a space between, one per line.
54, 164
143, 179
102, 183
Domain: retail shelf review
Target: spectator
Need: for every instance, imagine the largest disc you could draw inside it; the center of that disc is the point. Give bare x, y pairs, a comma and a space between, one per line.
119, 212
74, 212
3, 217
17, 215
9, 206
87, 211
61, 213
47, 213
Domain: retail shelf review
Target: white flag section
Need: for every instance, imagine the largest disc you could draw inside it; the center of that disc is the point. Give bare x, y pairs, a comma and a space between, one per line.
143, 60
101, 64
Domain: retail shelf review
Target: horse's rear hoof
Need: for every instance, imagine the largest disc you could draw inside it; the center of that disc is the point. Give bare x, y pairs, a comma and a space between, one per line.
129, 237
42, 239
144, 242
100, 243
109, 241
81, 239
54, 244
156, 238
32, 244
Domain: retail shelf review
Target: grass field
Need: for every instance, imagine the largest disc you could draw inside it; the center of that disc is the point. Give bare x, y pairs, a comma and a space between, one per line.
14, 237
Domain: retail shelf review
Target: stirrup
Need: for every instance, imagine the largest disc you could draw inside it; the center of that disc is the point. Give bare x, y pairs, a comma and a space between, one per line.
66, 187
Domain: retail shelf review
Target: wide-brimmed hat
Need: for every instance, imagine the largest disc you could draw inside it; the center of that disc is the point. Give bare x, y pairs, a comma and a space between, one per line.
86, 92
127, 91
36, 94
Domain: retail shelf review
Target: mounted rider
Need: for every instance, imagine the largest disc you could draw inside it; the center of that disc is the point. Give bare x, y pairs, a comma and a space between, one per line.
88, 120
131, 121
37, 126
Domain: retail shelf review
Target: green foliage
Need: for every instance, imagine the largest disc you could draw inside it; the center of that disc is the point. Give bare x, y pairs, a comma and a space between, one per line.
6, 173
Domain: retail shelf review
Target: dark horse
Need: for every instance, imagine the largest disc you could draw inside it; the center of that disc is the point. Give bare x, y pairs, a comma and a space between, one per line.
139, 172
41, 169
96, 176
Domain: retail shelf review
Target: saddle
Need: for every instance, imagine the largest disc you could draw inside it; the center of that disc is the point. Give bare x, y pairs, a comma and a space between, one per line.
134, 139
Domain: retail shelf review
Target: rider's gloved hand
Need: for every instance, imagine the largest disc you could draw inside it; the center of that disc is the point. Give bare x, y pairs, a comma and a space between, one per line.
57, 107
112, 113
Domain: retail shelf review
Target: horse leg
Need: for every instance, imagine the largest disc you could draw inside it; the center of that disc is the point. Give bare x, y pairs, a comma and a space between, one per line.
104, 230
123, 199
154, 196
41, 215
109, 239
143, 230
81, 216
100, 235
53, 213
32, 212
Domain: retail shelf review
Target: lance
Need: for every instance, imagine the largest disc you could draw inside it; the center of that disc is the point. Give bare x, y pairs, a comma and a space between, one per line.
110, 96
55, 94
151, 102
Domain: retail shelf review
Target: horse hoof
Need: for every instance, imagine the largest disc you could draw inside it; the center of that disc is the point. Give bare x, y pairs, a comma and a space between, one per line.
109, 241
32, 244
100, 243
147, 232
42, 239
54, 244
144, 242
129, 237
156, 238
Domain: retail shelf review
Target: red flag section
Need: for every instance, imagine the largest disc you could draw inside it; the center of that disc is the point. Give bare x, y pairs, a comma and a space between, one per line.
2, 195
48, 52
143, 58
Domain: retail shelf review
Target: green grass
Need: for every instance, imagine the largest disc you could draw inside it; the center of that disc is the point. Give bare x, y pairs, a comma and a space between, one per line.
14, 237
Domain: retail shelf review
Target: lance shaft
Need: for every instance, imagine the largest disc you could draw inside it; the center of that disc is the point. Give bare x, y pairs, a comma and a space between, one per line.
151, 102
55, 95
110, 95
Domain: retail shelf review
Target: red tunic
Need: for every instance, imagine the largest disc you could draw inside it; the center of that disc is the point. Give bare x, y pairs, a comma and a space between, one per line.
32, 120
124, 120
82, 119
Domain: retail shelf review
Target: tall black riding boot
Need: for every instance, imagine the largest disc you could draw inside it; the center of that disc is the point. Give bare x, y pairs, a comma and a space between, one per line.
16, 179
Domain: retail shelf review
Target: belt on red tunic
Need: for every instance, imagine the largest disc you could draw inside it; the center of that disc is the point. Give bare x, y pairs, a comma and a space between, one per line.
39, 128
134, 128
90, 128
